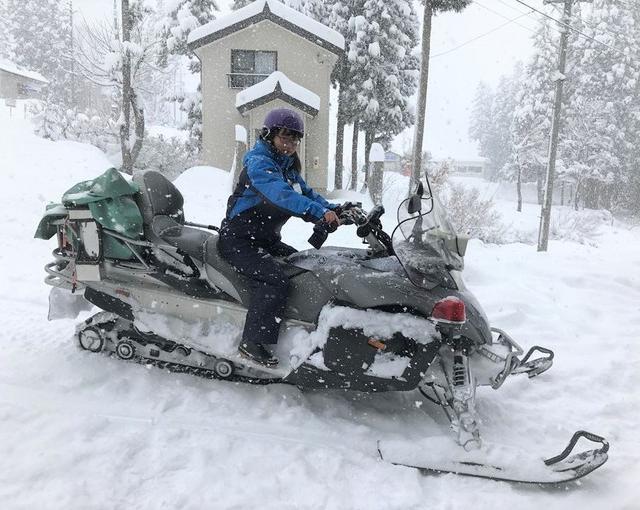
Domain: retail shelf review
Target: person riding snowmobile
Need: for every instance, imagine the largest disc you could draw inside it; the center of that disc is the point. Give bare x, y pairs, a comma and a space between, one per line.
269, 191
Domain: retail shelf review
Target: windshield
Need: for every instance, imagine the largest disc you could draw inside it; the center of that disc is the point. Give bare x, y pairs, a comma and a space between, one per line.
425, 242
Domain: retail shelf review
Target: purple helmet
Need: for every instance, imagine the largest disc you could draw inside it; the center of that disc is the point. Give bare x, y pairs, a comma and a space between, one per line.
284, 118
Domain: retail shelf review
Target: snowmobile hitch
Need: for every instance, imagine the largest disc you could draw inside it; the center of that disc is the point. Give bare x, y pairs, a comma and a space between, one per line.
580, 433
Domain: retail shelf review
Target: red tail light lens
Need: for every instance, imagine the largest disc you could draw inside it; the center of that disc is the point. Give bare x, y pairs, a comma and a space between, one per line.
449, 309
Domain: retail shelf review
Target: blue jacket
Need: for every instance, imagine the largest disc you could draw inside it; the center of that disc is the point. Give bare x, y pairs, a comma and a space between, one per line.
269, 191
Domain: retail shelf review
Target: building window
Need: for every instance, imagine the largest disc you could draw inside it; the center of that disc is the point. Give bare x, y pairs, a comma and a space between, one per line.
249, 67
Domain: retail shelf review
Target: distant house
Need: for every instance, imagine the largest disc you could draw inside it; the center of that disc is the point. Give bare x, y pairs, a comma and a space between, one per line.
470, 167
260, 57
19, 83
393, 162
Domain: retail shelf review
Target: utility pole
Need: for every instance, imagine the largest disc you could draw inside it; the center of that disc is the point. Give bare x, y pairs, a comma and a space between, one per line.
559, 77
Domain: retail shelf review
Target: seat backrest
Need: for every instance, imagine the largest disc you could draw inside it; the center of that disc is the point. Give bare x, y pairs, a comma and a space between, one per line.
158, 197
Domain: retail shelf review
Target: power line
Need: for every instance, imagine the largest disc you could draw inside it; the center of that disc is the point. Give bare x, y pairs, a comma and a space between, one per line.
509, 6
566, 25
481, 35
514, 21
587, 22
504, 17
555, 28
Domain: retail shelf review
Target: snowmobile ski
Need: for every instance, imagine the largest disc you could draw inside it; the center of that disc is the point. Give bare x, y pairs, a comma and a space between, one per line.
497, 462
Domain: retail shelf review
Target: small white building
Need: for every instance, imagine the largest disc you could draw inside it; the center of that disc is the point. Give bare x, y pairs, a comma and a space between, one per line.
393, 162
19, 83
264, 56
469, 167
475, 167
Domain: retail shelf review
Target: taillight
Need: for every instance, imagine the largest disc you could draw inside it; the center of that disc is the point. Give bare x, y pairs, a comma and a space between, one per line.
450, 310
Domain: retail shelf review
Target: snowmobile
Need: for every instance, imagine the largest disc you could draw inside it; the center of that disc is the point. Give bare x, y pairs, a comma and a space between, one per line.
392, 316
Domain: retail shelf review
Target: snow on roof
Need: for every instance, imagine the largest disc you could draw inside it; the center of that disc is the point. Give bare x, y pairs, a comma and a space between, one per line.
275, 11
278, 85
10, 67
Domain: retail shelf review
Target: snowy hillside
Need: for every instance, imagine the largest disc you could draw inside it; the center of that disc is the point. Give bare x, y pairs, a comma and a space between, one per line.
82, 431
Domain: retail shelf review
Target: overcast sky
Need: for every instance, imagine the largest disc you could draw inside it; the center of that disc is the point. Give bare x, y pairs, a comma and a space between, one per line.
468, 57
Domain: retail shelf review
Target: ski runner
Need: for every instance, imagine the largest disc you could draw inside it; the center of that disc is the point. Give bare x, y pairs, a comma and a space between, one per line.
270, 190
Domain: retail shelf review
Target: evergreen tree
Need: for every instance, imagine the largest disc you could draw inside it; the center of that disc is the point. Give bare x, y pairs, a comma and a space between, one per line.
384, 71
491, 119
41, 29
482, 125
6, 43
606, 104
184, 17
239, 4
531, 122
339, 19
319, 10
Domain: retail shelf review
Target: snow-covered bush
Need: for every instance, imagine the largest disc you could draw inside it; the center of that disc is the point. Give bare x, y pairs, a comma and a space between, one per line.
471, 214
169, 156
578, 226
55, 122
468, 211
439, 172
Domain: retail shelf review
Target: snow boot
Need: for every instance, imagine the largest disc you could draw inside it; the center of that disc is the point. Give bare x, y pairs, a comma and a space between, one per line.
258, 353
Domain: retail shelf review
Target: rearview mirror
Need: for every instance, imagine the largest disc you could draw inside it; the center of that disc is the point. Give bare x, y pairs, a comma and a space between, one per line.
415, 201
414, 205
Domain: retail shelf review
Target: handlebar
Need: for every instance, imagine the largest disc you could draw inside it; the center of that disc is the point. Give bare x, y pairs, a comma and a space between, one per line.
369, 226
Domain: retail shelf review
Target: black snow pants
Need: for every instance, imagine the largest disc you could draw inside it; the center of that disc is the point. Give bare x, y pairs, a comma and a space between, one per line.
269, 285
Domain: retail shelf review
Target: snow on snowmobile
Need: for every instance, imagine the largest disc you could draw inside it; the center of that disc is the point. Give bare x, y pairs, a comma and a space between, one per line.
395, 316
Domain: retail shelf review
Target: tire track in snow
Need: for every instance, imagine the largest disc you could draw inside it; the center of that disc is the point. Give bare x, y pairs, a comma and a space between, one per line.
48, 402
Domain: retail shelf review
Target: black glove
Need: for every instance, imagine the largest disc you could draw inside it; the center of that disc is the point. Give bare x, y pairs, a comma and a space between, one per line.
342, 208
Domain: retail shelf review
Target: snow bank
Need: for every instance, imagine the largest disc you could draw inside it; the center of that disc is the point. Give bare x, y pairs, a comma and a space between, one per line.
205, 190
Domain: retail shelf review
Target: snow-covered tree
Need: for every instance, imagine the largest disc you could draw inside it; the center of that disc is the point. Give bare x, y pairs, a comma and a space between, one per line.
339, 15
124, 62
606, 104
490, 122
239, 4
531, 122
6, 42
320, 10
41, 30
384, 70
182, 17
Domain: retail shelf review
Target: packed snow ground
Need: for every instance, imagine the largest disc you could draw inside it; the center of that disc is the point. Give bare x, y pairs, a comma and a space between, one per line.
82, 431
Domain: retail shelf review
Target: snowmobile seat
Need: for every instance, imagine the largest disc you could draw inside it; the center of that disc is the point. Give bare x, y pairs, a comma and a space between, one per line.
215, 260
161, 205
218, 267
